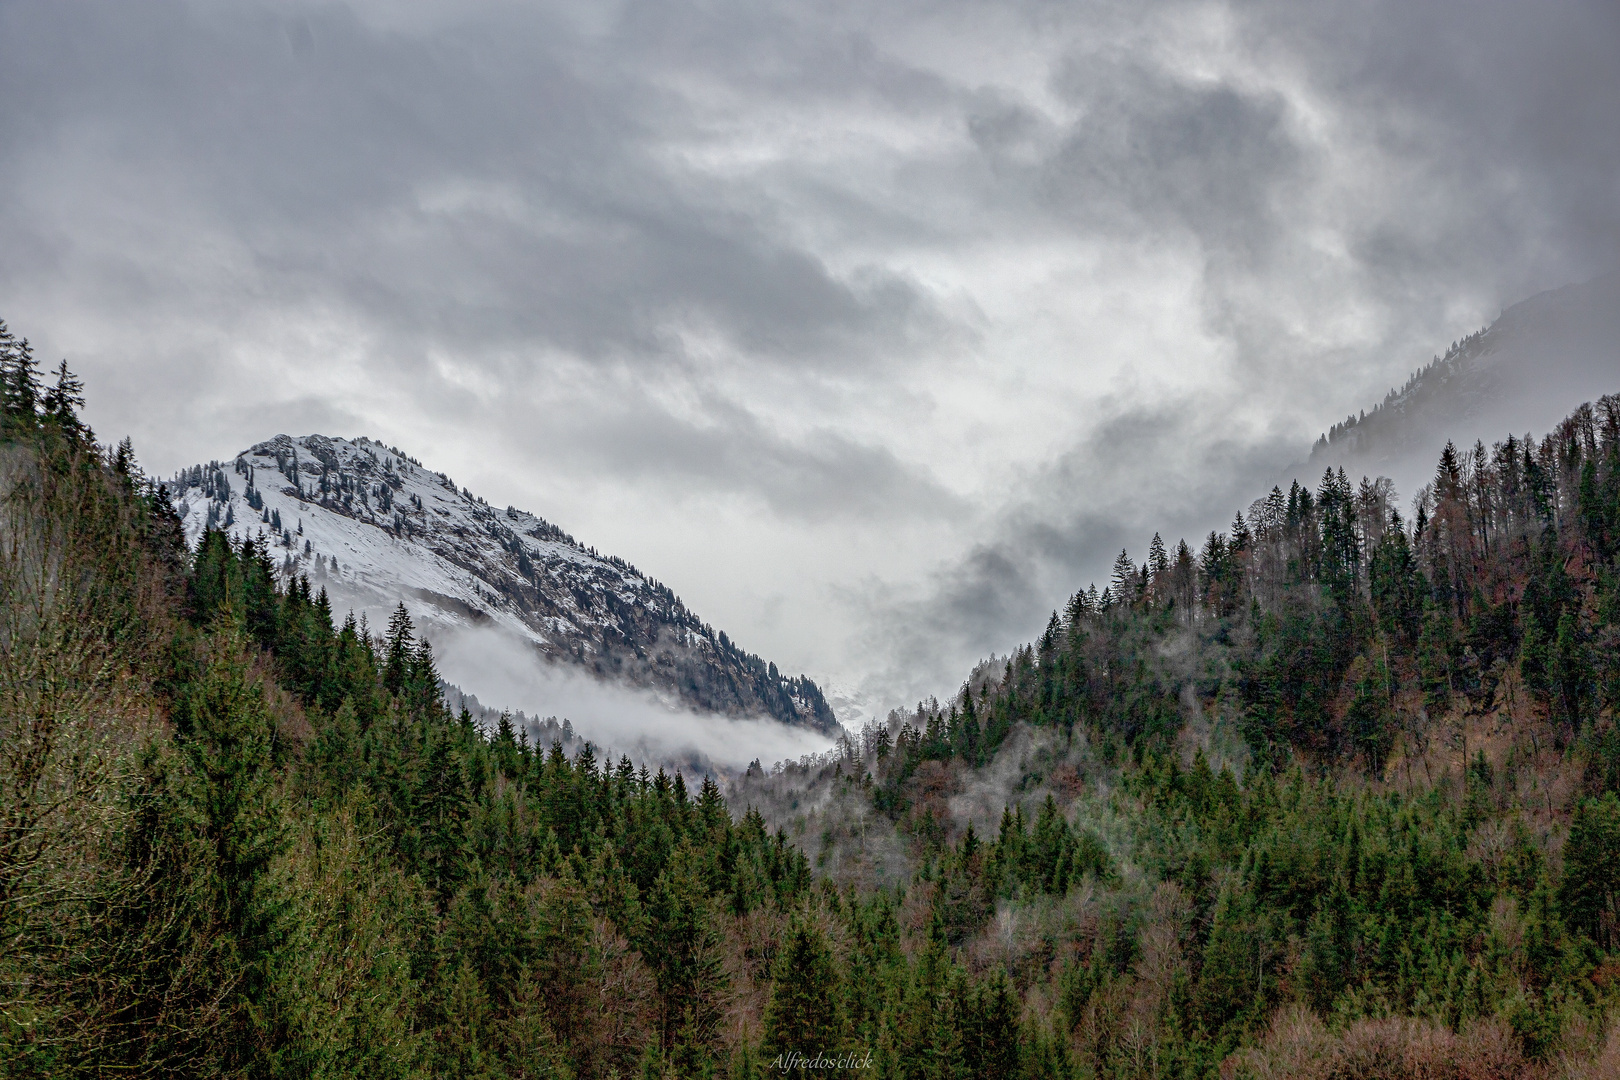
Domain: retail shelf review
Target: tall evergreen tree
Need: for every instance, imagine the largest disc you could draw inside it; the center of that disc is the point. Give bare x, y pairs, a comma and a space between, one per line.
1122, 583
804, 1014
1590, 894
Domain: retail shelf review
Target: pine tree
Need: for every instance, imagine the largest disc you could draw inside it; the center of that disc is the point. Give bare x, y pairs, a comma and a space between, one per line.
989, 1022
1329, 953
969, 735
1123, 582
681, 945
445, 808
805, 1012
1158, 559
19, 379
1242, 539
710, 813
1369, 720
399, 649
1590, 894
225, 732
1231, 984
1396, 585
1571, 672
63, 402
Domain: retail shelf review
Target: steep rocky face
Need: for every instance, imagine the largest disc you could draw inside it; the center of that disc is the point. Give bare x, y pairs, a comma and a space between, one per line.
373, 526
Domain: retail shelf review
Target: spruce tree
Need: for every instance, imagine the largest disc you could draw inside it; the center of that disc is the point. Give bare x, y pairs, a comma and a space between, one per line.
399, 649
1231, 984
805, 1010
1590, 894
1571, 672
1122, 584
681, 945
64, 400
225, 733
19, 379
989, 1023
1158, 559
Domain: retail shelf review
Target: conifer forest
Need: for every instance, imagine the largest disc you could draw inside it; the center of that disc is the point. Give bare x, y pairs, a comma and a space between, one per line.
1334, 793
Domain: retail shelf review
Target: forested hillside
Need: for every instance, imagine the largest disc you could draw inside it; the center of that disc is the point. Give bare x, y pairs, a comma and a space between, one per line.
1334, 795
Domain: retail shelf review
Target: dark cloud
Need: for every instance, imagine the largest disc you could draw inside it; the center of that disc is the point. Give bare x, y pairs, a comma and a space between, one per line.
1156, 152
726, 449
482, 187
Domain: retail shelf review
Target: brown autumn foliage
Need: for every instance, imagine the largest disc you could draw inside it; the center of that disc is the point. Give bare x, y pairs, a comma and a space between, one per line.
1300, 1047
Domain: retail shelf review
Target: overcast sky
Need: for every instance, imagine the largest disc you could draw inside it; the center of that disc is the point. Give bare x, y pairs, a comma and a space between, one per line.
873, 328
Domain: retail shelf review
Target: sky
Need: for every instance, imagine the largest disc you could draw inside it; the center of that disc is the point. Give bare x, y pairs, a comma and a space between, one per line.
874, 329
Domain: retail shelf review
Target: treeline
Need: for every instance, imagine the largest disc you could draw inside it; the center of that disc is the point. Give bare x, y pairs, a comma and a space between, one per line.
1339, 624
1425, 382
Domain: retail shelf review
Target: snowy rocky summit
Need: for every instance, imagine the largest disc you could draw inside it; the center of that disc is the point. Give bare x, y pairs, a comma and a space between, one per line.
373, 527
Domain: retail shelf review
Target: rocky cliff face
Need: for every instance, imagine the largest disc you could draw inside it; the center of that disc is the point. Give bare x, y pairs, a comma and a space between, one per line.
374, 527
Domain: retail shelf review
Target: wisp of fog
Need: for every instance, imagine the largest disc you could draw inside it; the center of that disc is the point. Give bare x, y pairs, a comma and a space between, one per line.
509, 674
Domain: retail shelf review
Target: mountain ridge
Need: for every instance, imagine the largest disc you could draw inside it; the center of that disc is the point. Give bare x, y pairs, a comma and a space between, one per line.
1524, 371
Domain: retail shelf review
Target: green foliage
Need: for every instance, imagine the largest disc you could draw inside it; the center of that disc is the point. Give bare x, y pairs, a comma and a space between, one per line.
1231, 987
988, 1016
804, 1013
1590, 894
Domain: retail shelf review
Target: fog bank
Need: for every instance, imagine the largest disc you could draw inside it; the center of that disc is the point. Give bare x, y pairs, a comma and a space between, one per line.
507, 674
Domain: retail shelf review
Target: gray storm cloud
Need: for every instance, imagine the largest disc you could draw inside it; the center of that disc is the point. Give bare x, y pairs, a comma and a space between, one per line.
874, 329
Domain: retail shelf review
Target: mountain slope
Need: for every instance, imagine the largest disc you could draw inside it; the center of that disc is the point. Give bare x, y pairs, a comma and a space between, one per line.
1525, 372
373, 527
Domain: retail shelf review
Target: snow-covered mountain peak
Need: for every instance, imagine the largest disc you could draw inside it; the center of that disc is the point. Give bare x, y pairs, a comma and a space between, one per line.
374, 526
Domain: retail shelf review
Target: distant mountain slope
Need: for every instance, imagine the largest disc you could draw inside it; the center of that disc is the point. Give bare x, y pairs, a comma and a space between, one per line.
373, 526
1523, 373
